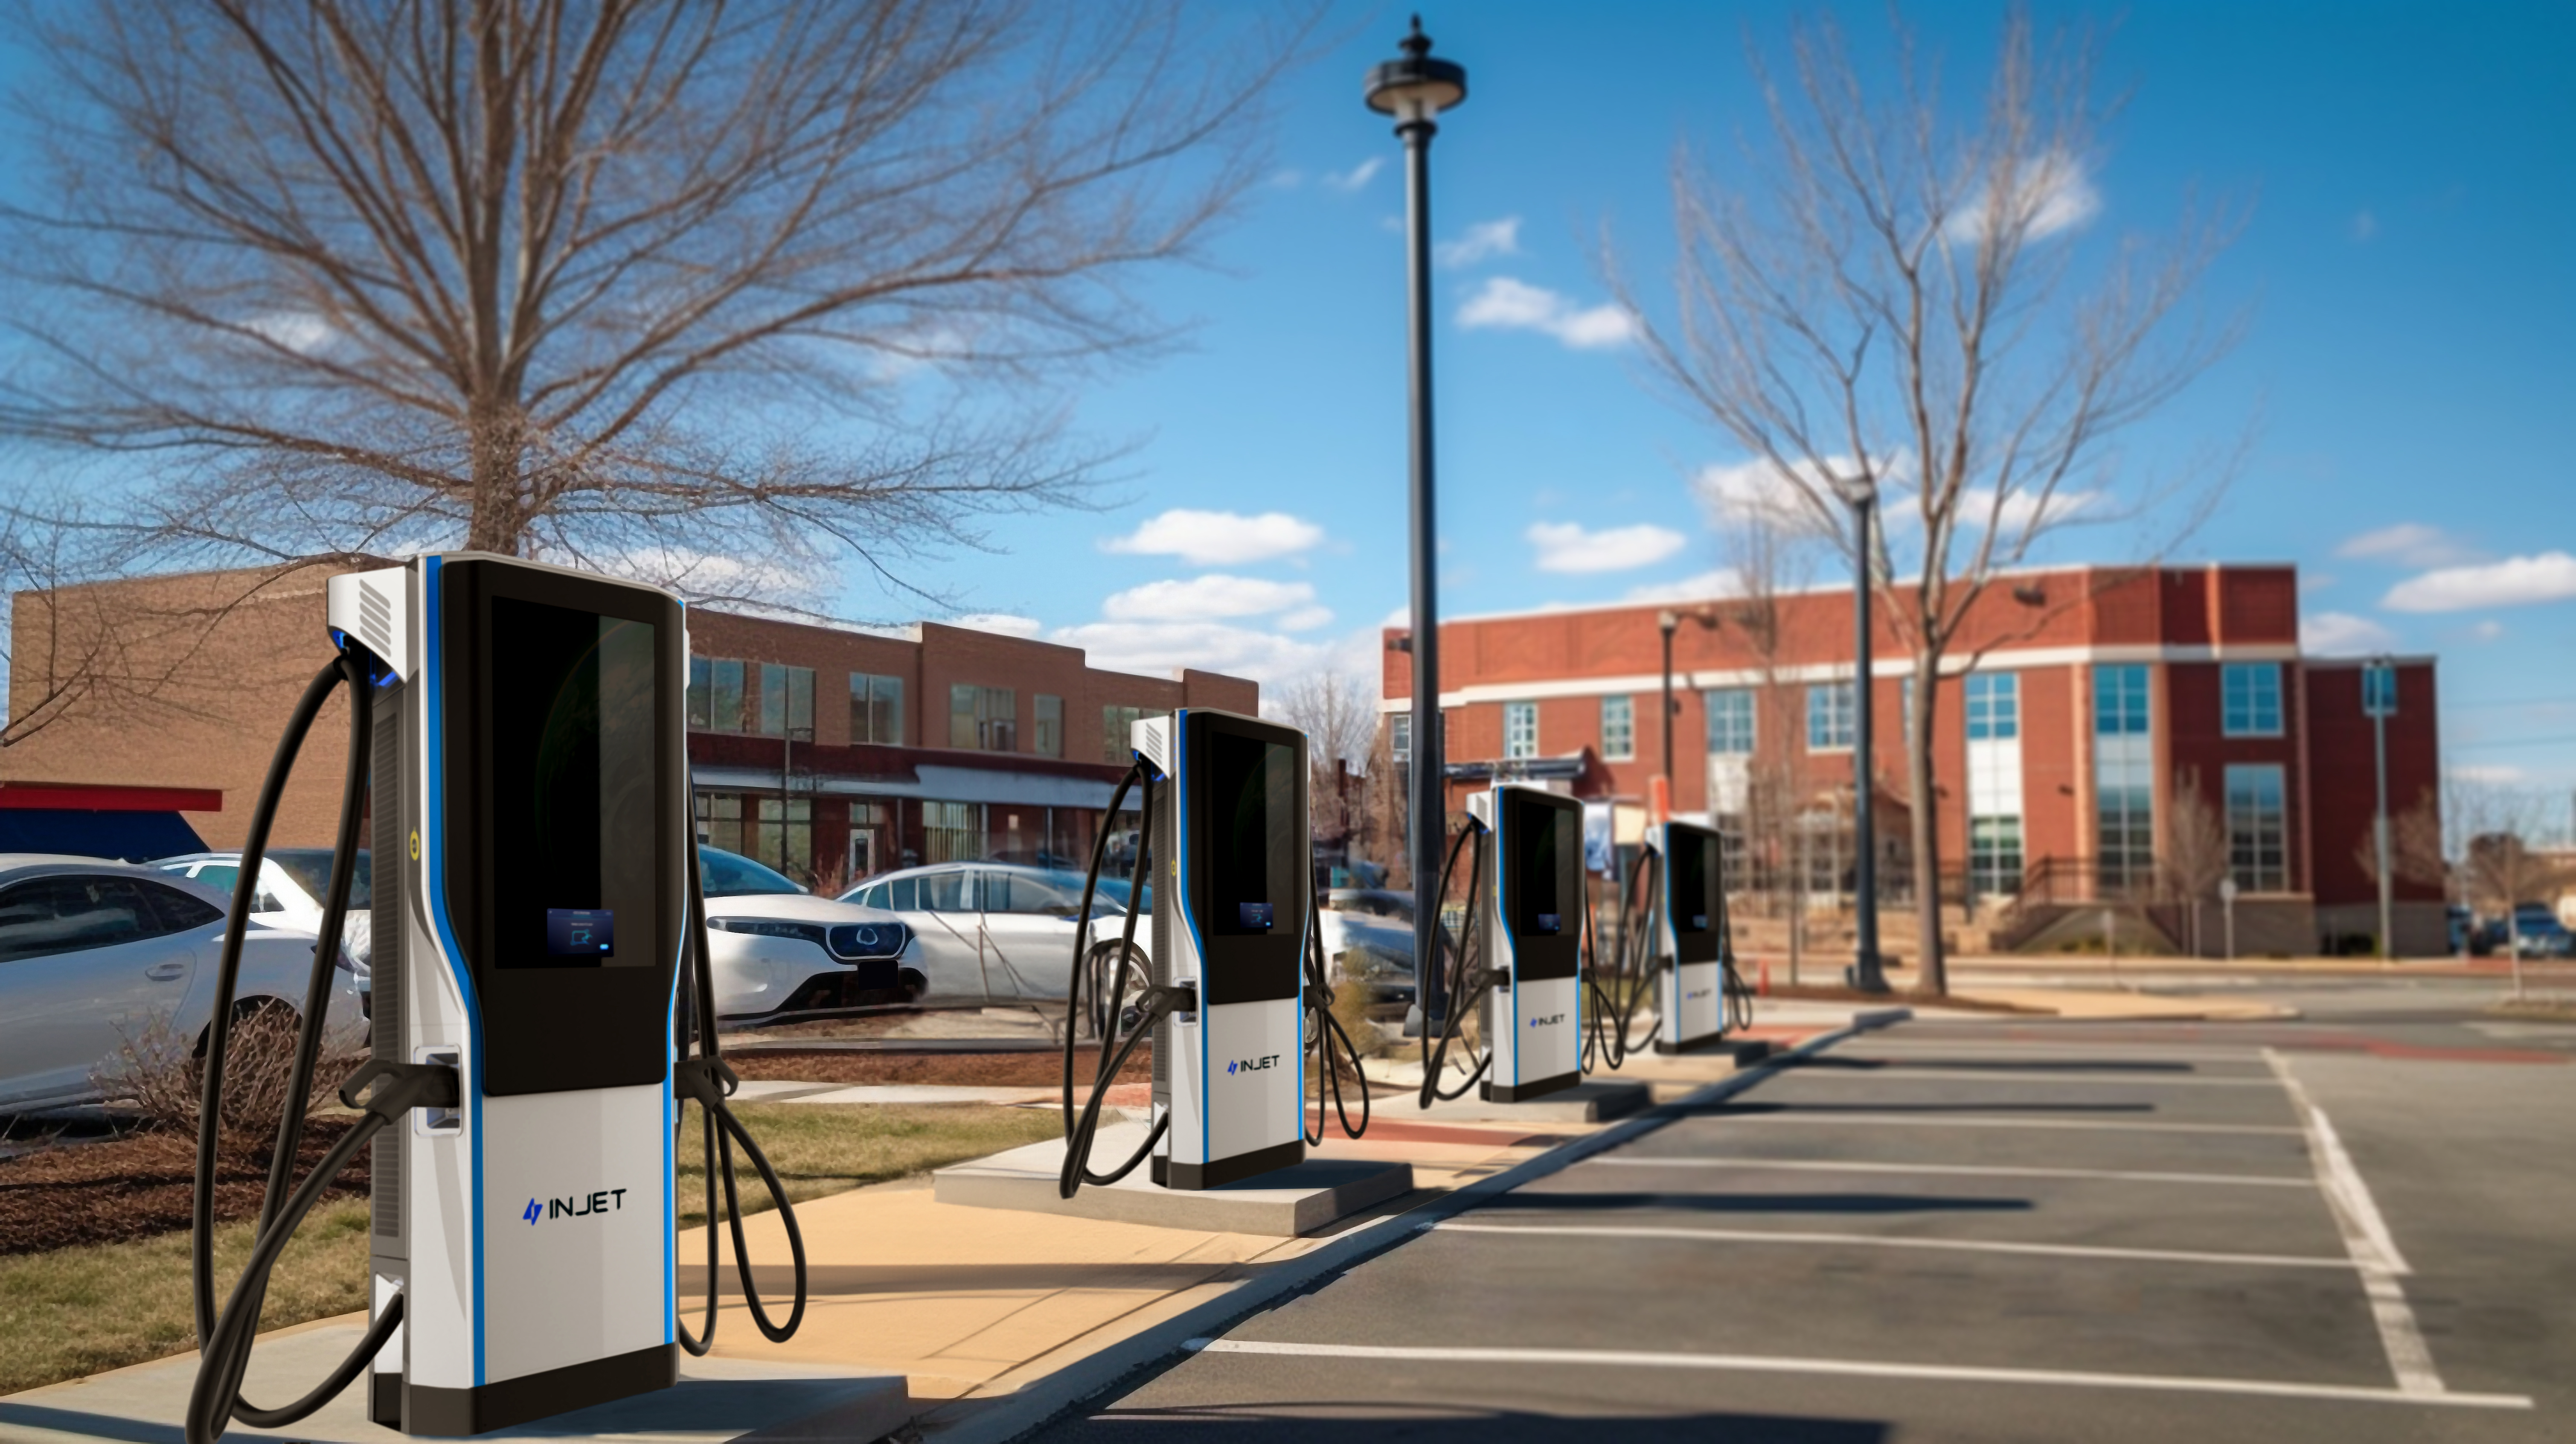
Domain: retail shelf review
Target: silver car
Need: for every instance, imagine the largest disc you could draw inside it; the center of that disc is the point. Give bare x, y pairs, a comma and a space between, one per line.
997, 932
779, 953
93, 953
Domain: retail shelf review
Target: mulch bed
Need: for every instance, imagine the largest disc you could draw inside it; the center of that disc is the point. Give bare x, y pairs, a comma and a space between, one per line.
975, 1070
139, 1186
1897, 999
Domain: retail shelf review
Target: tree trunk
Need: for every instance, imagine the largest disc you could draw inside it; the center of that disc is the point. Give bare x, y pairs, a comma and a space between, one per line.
1932, 977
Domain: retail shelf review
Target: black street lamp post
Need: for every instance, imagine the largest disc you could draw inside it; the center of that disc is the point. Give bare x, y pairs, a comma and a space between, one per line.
1669, 622
1414, 90
1867, 975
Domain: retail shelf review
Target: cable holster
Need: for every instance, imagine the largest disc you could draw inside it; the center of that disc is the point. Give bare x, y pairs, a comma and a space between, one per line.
411, 1085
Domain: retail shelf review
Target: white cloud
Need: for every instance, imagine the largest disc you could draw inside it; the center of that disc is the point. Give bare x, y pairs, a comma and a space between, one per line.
797, 585
1002, 623
1758, 491
2021, 511
1356, 177
2487, 772
1483, 239
301, 332
1565, 546
1508, 305
2488, 630
2409, 543
2050, 194
2341, 634
2513, 582
1305, 619
1213, 595
1218, 538
1159, 649
1723, 582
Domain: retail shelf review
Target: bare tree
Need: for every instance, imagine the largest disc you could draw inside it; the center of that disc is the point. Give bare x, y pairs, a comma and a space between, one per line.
1339, 716
1767, 555
2499, 867
2196, 851
1890, 306
714, 294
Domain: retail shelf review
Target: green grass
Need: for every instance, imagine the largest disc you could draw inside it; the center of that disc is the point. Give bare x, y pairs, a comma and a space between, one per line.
822, 1148
77, 1311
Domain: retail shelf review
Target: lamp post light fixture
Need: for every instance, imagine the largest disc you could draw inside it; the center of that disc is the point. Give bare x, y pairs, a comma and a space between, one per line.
1670, 621
1415, 90
2379, 700
1860, 493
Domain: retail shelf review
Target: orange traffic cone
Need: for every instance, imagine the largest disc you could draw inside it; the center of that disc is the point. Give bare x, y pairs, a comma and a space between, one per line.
1764, 980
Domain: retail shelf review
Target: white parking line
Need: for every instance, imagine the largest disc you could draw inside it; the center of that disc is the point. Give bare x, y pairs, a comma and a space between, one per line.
1791, 1113
1965, 1170
1872, 1240
2366, 1238
2054, 1080
1849, 1368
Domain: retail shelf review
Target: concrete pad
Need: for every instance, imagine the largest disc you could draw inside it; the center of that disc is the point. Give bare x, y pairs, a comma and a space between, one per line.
1280, 1204
777, 1090
716, 1399
1593, 1102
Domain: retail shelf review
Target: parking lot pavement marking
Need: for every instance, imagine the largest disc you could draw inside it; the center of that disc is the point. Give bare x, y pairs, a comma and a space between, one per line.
1869, 1240
1791, 1114
2052, 1080
2366, 1238
1849, 1368
1964, 1170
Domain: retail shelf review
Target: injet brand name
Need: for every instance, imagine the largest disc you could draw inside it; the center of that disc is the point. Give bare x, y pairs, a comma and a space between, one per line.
1252, 1065
1549, 1021
607, 1200
1695, 994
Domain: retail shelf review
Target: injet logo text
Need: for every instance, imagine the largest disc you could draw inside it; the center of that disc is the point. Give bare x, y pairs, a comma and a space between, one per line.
1548, 1021
1252, 1065
1695, 994
608, 1200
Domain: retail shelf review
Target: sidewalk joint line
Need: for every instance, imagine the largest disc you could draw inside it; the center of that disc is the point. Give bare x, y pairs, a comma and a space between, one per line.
1867, 1240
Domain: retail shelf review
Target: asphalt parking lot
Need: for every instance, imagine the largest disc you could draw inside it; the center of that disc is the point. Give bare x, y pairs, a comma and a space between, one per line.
2361, 1227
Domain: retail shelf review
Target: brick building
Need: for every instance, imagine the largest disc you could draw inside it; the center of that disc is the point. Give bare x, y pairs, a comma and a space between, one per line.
824, 750
2102, 735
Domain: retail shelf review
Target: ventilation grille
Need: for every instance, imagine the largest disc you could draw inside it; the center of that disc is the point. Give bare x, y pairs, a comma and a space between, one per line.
385, 920
375, 622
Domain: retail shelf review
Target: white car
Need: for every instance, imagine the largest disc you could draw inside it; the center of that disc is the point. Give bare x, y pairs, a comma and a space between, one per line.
92, 953
291, 883
779, 953
998, 932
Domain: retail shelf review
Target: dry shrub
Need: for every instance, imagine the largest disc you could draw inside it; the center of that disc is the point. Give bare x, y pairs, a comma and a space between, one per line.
162, 1073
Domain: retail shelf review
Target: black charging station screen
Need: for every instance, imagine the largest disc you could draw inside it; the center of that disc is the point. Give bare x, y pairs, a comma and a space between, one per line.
1543, 848
1254, 817
1692, 862
575, 787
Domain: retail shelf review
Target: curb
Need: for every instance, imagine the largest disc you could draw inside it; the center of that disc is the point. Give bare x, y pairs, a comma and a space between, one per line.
1043, 1402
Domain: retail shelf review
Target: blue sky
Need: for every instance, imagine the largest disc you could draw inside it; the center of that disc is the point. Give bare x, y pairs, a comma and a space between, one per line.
2412, 174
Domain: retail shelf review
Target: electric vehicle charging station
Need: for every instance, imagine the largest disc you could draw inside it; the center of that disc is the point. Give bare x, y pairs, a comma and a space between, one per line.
1239, 1000
1534, 912
535, 908
1694, 945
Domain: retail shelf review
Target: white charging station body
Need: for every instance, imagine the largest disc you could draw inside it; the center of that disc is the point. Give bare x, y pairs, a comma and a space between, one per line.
1231, 861
530, 840
1690, 934
1533, 921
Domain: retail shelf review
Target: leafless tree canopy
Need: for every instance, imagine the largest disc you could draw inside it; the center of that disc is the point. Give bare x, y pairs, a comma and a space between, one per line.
1892, 294
634, 285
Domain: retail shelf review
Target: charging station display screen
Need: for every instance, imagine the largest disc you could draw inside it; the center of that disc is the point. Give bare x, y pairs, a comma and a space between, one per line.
1254, 818
1545, 843
574, 784
1691, 866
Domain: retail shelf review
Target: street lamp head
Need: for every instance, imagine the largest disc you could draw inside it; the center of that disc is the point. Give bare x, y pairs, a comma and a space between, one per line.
1416, 88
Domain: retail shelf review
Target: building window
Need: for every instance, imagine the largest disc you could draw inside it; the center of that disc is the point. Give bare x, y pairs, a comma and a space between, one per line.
1118, 730
1619, 728
876, 709
2378, 691
1399, 737
1046, 714
1520, 730
783, 837
1994, 856
715, 694
2258, 852
1730, 721
983, 719
720, 820
1829, 717
2123, 778
786, 701
2250, 699
1994, 706
952, 831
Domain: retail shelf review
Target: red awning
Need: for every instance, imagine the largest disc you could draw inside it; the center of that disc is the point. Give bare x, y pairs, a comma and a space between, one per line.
110, 797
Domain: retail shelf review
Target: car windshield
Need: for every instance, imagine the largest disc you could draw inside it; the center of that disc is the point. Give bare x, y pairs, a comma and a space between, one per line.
311, 868
729, 874
1112, 890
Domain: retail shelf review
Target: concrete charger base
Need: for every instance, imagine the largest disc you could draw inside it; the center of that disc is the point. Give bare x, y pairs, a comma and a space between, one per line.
1281, 1204
1595, 1101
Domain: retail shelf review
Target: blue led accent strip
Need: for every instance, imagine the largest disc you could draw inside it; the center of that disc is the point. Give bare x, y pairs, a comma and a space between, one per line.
671, 1018
433, 847
1198, 942
1503, 927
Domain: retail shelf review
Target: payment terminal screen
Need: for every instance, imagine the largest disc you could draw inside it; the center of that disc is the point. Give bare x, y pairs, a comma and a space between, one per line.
1253, 810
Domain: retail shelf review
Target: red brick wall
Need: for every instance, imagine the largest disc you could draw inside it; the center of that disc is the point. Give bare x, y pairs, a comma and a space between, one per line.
2346, 792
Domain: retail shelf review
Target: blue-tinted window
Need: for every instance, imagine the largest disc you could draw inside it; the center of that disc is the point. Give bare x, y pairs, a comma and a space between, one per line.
1829, 717
2120, 701
1730, 721
2250, 699
1994, 706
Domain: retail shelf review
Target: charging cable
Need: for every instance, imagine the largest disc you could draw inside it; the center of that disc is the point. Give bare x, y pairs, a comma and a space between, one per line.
1462, 965
1323, 1030
1123, 1028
